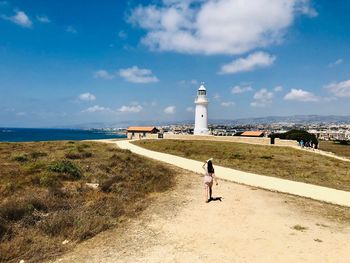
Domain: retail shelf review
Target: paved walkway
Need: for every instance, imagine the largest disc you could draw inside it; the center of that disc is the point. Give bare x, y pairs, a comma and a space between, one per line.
321, 152
315, 192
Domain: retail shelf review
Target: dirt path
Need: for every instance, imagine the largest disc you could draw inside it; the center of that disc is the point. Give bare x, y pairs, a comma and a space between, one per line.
249, 225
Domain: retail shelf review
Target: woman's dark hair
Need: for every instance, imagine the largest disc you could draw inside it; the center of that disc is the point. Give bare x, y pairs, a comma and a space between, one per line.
210, 167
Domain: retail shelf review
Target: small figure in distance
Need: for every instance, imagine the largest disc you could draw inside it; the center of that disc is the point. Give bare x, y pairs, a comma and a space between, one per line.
209, 176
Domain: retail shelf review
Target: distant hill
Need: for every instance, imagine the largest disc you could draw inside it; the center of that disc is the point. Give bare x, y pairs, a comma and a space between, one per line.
295, 119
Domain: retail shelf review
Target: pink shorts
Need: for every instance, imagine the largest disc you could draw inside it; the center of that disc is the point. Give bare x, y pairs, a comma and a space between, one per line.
208, 180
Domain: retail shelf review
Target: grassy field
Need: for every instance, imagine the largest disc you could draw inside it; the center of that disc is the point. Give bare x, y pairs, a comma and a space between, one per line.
336, 148
282, 162
44, 198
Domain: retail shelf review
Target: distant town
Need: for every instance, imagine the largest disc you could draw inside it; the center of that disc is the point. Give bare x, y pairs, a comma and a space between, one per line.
322, 131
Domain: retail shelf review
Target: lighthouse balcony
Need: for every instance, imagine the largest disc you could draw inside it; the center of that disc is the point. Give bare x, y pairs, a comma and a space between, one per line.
201, 99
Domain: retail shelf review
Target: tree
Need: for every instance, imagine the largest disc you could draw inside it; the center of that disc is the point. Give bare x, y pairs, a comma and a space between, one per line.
297, 135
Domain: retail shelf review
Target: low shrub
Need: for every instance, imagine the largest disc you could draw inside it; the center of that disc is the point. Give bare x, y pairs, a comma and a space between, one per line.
36, 155
85, 228
82, 147
72, 155
58, 223
49, 180
236, 156
106, 185
13, 211
78, 155
21, 158
66, 167
3, 227
267, 157
15, 208
34, 167
11, 187
342, 142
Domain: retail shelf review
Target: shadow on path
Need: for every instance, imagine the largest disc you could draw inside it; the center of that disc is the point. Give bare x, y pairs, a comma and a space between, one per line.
215, 199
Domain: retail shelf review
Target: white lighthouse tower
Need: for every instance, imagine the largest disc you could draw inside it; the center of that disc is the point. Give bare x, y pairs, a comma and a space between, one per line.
201, 118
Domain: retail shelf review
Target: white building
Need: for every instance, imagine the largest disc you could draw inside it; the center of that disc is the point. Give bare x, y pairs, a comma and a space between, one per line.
201, 117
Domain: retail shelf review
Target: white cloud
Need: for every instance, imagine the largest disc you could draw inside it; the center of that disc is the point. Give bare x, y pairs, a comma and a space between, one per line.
336, 63
300, 95
217, 26
87, 97
278, 89
71, 29
97, 108
189, 82
190, 109
137, 75
262, 98
306, 9
340, 89
253, 61
239, 89
132, 108
216, 96
329, 99
227, 104
20, 18
122, 35
169, 110
21, 113
103, 74
43, 19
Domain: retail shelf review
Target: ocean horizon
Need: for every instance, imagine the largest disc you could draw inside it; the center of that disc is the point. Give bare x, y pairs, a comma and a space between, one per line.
49, 134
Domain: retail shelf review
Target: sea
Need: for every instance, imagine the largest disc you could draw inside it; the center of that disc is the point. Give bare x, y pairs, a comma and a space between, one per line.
35, 135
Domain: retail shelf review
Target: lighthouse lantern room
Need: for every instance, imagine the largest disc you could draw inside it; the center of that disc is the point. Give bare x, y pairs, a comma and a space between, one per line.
201, 118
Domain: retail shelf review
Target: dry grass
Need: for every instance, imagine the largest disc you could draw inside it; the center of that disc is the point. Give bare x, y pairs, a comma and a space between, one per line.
336, 148
45, 200
282, 162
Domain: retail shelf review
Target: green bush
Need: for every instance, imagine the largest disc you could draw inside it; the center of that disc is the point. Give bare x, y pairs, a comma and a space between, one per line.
342, 142
297, 135
66, 167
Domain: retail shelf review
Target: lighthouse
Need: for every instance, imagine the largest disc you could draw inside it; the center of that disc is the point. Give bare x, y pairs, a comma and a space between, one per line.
201, 118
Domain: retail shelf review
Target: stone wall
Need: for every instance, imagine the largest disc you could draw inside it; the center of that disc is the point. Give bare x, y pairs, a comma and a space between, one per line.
239, 139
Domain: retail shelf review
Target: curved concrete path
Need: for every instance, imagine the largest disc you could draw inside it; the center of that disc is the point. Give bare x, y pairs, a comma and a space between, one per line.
321, 152
315, 192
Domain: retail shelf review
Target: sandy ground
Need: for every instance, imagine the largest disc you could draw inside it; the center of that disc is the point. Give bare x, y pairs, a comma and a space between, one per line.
248, 225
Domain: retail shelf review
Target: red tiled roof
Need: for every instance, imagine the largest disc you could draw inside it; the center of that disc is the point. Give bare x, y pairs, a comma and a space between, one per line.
252, 133
141, 129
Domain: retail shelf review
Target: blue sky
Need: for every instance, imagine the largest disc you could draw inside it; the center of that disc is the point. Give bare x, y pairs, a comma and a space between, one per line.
74, 62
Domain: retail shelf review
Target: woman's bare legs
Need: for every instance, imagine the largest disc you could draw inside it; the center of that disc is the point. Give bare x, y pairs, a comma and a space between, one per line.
206, 192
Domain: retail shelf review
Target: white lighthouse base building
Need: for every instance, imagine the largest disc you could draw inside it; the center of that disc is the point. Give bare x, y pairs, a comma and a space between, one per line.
201, 115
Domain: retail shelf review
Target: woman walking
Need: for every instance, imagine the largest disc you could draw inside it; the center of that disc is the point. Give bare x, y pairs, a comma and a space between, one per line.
209, 176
